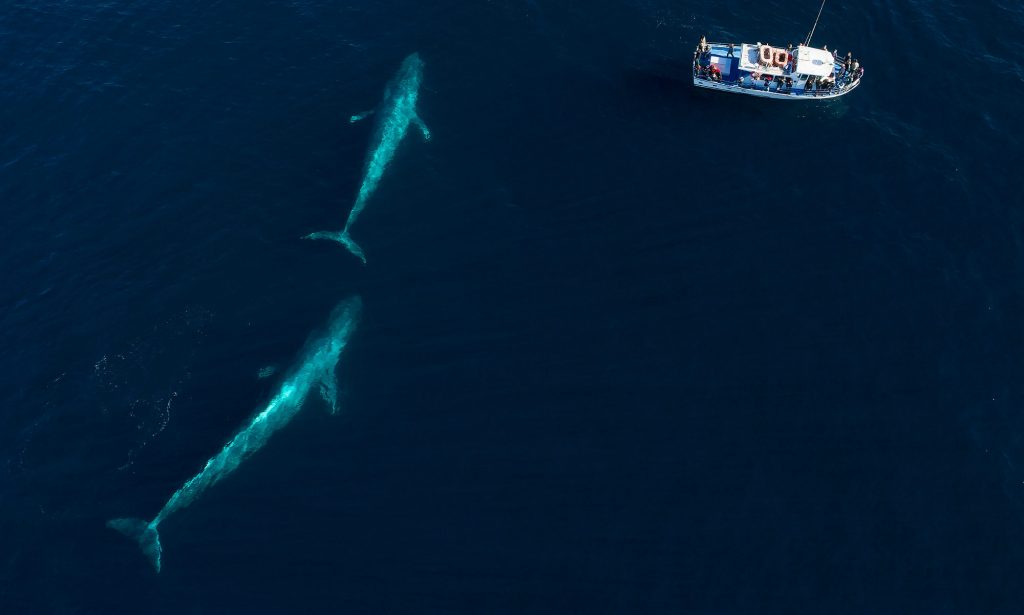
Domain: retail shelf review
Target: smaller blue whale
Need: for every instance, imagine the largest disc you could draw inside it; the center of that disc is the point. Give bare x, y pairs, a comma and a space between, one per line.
395, 113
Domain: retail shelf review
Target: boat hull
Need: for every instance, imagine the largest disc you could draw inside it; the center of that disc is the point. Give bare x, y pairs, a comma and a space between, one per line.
760, 92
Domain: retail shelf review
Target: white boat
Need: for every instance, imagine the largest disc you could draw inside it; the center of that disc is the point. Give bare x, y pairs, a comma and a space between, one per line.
801, 73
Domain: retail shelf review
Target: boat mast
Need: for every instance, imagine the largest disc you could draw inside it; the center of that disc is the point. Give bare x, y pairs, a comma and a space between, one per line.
811, 33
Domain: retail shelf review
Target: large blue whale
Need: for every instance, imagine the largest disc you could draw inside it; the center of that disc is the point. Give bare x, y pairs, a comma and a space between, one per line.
397, 110
315, 369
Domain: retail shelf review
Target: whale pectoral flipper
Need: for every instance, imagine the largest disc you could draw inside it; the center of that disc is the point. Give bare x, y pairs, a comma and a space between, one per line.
329, 391
422, 126
144, 533
360, 116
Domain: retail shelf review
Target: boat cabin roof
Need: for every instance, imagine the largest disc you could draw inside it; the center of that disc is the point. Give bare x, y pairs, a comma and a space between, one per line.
816, 62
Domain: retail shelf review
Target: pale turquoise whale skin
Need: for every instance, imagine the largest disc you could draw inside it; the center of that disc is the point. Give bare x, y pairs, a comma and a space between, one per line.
315, 369
397, 110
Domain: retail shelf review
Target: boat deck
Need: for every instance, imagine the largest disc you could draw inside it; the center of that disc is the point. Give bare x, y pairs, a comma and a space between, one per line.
738, 80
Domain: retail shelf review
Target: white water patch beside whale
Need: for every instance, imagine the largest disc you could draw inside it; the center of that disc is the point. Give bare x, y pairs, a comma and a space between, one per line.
139, 383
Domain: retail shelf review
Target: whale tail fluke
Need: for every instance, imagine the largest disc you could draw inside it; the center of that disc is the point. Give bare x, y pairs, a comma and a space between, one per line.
143, 533
343, 238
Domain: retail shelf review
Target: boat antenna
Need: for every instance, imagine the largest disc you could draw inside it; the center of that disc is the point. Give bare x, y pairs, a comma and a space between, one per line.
811, 33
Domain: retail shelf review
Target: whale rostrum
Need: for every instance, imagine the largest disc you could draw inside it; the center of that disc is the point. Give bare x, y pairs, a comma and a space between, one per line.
397, 110
315, 369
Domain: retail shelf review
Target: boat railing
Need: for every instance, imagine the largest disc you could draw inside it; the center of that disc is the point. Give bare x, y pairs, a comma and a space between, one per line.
841, 86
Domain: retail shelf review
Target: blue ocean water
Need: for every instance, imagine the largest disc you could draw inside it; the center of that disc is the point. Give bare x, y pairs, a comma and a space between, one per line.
625, 347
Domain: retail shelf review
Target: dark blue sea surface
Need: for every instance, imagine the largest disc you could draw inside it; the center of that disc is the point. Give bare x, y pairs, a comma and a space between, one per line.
626, 347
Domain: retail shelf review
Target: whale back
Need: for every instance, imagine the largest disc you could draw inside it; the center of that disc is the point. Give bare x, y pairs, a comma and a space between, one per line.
395, 111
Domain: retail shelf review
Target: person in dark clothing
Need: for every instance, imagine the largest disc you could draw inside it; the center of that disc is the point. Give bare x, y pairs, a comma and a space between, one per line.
731, 48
